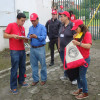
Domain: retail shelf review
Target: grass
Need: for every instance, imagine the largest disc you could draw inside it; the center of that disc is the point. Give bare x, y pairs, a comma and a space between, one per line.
5, 59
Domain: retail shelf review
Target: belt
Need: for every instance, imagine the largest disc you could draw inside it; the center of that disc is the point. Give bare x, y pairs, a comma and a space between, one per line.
37, 46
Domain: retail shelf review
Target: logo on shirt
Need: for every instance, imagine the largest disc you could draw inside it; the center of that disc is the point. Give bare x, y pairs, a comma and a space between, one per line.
73, 52
23, 32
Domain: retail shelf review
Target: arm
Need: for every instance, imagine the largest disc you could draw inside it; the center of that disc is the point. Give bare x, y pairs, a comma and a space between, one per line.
87, 39
60, 24
84, 45
8, 31
47, 27
7, 36
58, 44
43, 34
58, 14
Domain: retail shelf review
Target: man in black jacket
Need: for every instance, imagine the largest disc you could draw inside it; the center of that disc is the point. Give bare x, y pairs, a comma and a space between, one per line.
53, 26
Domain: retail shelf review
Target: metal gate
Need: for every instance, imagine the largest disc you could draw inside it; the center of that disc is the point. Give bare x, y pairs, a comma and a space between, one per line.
83, 9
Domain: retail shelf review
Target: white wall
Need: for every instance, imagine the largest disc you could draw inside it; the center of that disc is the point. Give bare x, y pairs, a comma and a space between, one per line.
4, 43
41, 7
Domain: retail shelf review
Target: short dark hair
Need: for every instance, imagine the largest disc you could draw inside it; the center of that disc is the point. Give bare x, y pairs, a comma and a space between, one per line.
21, 15
70, 12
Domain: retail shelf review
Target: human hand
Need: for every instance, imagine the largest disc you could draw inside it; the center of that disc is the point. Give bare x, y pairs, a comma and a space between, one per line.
75, 42
33, 36
15, 36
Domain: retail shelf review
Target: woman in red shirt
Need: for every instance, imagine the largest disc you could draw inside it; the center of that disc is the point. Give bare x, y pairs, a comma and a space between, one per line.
72, 16
83, 44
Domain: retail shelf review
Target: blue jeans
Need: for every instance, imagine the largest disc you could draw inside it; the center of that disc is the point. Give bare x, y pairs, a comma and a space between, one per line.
82, 82
62, 59
38, 54
18, 59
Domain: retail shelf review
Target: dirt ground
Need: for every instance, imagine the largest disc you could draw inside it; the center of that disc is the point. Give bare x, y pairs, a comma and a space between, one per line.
55, 89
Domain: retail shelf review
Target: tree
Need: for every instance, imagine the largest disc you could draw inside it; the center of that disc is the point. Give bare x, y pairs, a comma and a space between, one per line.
92, 4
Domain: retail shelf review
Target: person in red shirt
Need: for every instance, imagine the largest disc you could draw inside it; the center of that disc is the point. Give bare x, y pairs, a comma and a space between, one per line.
17, 51
72, 16
83, 44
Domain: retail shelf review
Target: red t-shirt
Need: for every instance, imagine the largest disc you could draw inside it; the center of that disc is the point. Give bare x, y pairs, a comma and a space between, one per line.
87, 39
15, 44
72, 18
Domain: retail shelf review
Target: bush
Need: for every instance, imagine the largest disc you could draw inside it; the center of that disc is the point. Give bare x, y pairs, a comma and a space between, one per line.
80, 13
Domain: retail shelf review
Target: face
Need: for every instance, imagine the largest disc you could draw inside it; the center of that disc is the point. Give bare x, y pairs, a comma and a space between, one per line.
21, 21
54, 16
78, 30
64, 18
35, 22
54, 7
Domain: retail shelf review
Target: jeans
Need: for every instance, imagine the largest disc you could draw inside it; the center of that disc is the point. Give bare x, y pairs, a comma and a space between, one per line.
51, 45
62, 59
38, 54
18, 59
82, 82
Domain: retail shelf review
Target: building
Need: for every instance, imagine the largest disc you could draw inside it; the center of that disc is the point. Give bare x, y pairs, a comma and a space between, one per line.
10, 8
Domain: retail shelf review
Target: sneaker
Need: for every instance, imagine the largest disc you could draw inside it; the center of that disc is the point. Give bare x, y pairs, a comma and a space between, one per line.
75, 93
82, 96
63, 78
14, 91
24, 84
74, 82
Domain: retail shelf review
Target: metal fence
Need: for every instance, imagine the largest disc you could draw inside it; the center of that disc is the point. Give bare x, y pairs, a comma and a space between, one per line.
83, 9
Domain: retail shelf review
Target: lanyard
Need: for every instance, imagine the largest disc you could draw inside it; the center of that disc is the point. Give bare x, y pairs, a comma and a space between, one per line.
21, 30
63, 29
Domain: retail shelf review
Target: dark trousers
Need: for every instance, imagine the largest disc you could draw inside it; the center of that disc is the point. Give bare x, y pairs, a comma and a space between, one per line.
18, 59
51, 45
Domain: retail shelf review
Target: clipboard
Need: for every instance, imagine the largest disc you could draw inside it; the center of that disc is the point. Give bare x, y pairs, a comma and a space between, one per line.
23, 37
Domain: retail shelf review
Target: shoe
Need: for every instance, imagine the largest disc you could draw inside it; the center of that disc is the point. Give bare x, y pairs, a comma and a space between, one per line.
14, 91
74, 82
63, 78
24, 84
77, 92
34, 83
51, 64
82, 96
43, 82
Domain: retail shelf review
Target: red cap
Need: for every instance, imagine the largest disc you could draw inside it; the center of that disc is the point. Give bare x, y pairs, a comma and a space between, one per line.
76, 23
61, 6
33, 16
65, 13
54, 12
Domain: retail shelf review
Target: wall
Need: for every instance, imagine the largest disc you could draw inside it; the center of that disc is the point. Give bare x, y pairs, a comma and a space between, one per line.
41, 7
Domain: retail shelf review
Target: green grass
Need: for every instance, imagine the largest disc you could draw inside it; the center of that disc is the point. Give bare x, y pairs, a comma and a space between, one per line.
5, 59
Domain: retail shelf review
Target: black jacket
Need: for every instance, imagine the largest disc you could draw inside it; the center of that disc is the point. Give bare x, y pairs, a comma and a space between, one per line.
53, 28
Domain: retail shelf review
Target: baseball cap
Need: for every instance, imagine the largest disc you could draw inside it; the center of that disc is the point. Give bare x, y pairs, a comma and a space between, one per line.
54, 12
76, 23
65, 13
33, 16
61, 6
